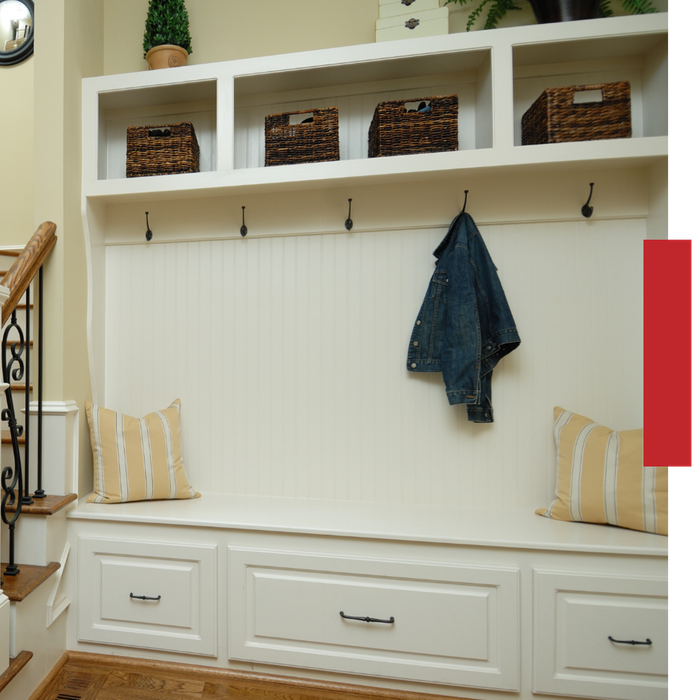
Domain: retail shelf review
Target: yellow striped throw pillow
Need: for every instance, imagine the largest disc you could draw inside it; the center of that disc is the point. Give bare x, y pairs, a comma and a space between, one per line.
601, 477
137, 459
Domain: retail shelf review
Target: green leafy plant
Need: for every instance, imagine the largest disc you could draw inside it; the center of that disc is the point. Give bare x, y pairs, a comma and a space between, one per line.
497, 9
167, 22
633, 7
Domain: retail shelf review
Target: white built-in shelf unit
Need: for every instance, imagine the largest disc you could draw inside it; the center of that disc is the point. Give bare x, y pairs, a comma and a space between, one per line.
496, 74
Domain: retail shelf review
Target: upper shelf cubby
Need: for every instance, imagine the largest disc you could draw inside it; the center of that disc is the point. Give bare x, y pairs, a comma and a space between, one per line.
496, 75
155, 105
356, 89
639, 58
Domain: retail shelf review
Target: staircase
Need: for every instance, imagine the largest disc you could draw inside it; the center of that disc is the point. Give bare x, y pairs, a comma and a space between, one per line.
33, 547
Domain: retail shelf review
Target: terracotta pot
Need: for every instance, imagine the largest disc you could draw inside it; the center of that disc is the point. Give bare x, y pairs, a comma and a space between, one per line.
166, 56
564, 10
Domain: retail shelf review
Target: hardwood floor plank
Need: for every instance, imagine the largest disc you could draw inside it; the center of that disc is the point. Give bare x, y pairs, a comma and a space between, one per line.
72, 684
81, 685
154, 683
124, 678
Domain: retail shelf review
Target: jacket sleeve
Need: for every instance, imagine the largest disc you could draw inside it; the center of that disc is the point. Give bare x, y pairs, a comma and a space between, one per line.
499, 335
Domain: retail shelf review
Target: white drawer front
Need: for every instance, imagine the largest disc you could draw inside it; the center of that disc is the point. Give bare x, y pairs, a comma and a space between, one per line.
426, 23
429, 618
575, 616
146, 594
455, 625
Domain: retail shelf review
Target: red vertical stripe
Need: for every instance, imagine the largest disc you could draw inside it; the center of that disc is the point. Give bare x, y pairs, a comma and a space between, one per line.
667, 353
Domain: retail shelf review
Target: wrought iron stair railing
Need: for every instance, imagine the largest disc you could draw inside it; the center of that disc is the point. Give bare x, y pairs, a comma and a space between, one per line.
16, 363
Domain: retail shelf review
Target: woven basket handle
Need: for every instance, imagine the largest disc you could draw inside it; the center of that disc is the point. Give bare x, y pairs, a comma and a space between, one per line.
422, 105
592, 94
304, 117
158, 133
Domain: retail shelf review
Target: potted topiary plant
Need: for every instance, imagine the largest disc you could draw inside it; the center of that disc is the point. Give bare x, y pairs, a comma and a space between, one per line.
166, 40
550, 10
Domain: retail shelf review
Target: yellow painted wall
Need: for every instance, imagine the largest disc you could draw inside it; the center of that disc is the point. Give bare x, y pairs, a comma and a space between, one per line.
17, 152
224, 29
68, 47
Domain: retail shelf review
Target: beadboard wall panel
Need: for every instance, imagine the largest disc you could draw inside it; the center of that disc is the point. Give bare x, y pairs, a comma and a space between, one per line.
289, 355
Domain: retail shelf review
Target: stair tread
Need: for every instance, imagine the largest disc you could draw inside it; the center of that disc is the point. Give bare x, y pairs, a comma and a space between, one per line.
29, 578
16, 665
45, 506
7, 438
10, 341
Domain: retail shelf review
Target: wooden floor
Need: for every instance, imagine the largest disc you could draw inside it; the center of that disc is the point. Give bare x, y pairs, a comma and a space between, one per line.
103, 677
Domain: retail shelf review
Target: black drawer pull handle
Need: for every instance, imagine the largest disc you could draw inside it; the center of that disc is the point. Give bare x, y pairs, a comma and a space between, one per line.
143, 597
390, 621
631, 641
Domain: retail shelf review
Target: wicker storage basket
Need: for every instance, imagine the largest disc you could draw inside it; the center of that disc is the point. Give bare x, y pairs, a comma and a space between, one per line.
556, 117
395, 130
313, 141
161, 150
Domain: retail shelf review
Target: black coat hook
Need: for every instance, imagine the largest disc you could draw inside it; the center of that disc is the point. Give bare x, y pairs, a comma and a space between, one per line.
348, 221
149, 233
464, 206
586, 209
244, 228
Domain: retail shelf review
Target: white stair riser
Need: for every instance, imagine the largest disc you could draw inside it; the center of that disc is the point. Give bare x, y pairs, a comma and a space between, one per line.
31, 539
4, 632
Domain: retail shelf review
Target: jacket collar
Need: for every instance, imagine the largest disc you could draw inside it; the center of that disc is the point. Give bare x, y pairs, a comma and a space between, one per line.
460, 223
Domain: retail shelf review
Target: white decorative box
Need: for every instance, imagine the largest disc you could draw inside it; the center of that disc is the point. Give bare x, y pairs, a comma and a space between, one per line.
395, 8
425, 23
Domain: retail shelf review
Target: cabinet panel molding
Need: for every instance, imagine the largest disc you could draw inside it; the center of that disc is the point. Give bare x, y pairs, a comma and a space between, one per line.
427, 622
600, 636
148, 594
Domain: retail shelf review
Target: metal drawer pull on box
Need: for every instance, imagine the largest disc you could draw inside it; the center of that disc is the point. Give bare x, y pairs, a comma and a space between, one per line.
143, 597
390, 621
631, 641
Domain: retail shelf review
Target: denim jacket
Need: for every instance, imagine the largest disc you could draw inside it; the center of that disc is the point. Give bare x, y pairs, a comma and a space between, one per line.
464, 326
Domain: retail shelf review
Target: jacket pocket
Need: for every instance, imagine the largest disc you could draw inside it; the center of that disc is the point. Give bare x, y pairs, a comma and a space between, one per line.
439, 287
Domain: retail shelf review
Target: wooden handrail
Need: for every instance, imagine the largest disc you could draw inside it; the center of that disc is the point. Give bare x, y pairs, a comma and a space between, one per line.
22, 272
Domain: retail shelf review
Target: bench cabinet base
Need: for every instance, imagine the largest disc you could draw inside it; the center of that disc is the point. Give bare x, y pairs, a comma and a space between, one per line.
471, 619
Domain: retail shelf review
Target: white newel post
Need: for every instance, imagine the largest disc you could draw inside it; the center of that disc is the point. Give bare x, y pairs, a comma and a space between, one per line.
60, 447
4, 633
